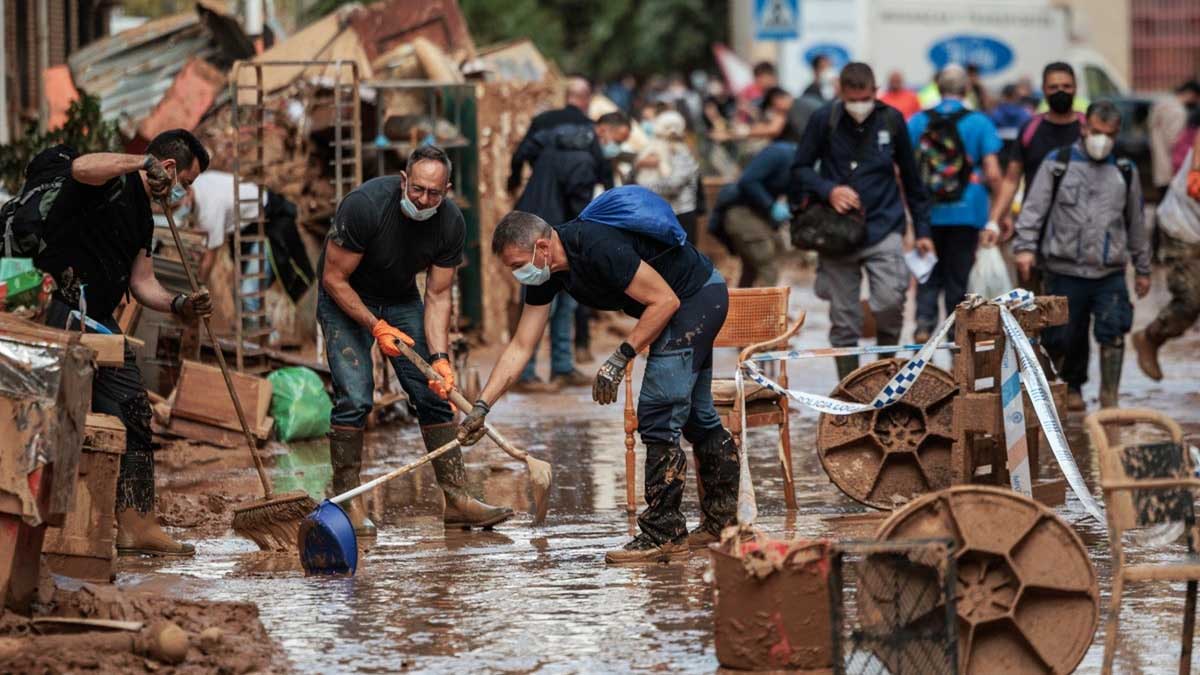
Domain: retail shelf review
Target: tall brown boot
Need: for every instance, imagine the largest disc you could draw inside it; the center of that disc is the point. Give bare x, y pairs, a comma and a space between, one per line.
1112, 357
345, 456
138, 532
1146, 343
462, 510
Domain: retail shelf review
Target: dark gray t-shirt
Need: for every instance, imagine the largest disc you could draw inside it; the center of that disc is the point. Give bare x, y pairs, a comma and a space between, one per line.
394, 247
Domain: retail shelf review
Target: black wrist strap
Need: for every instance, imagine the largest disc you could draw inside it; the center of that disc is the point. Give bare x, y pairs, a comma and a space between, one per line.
433, 358
482, 403
176, 303
627, 350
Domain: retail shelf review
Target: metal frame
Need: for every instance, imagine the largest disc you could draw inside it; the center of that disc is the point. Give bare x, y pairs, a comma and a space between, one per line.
251, 329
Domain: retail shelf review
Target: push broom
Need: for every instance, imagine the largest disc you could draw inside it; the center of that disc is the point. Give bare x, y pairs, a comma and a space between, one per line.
274, 521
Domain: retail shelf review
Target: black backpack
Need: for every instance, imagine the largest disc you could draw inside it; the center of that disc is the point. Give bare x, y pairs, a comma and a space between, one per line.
942, 160
25, 216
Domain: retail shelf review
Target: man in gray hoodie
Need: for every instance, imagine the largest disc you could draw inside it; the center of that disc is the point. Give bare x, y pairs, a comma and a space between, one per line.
1081, 224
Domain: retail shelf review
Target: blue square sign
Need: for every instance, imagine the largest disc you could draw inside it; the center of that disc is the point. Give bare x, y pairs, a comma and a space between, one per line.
776, 19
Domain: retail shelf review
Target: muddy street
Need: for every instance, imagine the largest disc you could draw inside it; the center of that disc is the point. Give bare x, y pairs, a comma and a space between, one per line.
525, 599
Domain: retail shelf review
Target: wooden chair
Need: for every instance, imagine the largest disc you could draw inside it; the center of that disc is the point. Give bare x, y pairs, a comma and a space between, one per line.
757, 322
1146, 484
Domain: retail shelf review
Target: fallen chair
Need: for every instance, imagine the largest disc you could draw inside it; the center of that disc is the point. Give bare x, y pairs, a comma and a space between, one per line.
757, 322
1146, 484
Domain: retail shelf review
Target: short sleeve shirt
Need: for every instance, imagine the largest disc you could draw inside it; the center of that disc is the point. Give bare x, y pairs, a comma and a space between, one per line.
980, 138
1047, 138
602, 261
212, 192
395, 248
94, 235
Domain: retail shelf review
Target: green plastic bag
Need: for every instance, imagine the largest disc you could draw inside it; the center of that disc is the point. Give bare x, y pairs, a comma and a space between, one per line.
299, 403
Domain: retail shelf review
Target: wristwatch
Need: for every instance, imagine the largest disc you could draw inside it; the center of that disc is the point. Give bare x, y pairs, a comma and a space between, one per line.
627, 350
177, 303
433, 358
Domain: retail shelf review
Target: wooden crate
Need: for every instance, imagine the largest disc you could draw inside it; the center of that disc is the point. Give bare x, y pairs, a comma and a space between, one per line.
84, 546
201, 396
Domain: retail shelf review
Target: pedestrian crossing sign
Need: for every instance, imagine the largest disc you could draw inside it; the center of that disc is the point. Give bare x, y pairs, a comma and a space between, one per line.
776, 19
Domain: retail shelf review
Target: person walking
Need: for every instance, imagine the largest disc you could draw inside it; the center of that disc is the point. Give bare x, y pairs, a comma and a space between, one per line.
100, 233
957, 155
848, 158
749, 213
1179, 249
384, 233
1082, 224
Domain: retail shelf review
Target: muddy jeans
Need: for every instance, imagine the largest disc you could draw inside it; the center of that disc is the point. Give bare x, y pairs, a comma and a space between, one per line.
348, 349
839, 280
1101, 303
676, 399
121, 392
1183, 281
756, 243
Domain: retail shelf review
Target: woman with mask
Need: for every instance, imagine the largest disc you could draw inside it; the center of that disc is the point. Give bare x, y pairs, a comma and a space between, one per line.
667, 167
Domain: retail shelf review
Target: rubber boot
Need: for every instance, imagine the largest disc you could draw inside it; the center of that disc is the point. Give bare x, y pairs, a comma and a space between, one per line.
345, 456
138, 532
663, 535
462, 510
845, 366
717, 463
1111, 359
1146, 343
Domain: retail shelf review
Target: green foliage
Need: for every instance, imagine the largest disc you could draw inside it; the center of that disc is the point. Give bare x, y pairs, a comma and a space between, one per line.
84, 130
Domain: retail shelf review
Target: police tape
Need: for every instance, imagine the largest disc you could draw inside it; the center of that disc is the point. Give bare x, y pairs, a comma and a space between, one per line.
1030, 375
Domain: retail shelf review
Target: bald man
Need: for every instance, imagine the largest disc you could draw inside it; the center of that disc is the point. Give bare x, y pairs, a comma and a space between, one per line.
579, 95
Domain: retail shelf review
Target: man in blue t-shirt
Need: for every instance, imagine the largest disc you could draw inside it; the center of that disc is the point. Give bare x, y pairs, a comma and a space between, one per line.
957, 224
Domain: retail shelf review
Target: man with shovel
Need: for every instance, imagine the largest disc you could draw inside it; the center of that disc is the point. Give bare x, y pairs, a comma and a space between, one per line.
98, 237
635, 262
385, 233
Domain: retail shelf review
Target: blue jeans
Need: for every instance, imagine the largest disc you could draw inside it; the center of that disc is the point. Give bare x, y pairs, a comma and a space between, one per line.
348, 348
1102, 303
562, 319
676, 393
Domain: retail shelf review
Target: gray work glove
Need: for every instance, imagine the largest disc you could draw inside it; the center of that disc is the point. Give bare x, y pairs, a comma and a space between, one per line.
472, 428
192, 306
608, 378
157, 178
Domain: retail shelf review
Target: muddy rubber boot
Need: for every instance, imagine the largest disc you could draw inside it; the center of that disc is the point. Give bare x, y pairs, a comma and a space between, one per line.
1111, 359
664, 530
885, 338
845, 366
1146, 343
139, 534
462, 510
717, 464
345, 456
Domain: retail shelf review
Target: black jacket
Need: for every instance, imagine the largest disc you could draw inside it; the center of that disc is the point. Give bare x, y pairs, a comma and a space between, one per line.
530, 146
564, 174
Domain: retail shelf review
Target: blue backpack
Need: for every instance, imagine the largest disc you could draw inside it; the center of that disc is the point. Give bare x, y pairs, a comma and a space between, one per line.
636, 209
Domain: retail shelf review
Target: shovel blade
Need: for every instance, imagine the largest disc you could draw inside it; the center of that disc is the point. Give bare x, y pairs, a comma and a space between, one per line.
327, 543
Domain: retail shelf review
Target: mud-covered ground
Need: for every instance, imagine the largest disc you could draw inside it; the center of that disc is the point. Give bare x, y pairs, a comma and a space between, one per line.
523, 599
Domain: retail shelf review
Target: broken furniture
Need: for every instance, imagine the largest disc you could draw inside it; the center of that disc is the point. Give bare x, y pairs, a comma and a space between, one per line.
201, 398
84, 547
946, 428
45, 393
1145, 485
1027, 598
757, 322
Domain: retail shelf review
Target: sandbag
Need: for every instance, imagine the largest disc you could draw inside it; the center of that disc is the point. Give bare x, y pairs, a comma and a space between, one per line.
299, 403
636, 209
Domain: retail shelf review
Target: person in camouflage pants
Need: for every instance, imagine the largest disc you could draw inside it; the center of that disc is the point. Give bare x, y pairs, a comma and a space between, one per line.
1183, 281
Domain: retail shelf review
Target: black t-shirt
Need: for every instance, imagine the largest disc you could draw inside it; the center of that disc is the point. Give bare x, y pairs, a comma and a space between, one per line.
1047, 138
601, 262
93, 236
394, 247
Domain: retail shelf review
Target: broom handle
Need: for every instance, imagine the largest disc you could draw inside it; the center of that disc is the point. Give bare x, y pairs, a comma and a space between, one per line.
351, 494
237, 404
459, 400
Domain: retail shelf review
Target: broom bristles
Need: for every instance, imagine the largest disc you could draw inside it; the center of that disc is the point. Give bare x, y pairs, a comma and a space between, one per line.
274, 525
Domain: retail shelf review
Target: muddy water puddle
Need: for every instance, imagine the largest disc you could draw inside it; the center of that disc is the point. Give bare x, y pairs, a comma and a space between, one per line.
524, 599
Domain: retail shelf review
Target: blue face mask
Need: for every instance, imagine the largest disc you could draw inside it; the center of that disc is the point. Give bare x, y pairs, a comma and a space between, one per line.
178, 192
530, 274
410, 209
648, 127
611, 149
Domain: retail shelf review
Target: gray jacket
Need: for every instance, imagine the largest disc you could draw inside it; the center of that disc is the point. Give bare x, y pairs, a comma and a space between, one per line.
1095, 226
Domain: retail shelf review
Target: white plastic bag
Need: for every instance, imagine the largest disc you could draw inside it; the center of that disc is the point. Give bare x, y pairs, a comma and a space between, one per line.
989, 277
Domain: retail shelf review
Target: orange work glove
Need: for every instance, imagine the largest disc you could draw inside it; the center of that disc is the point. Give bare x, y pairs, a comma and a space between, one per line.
442, 367
1194, 184
387, 335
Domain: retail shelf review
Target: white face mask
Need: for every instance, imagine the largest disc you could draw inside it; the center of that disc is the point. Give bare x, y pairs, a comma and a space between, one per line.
859, 110
410, 209
530, 274
1098, 146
